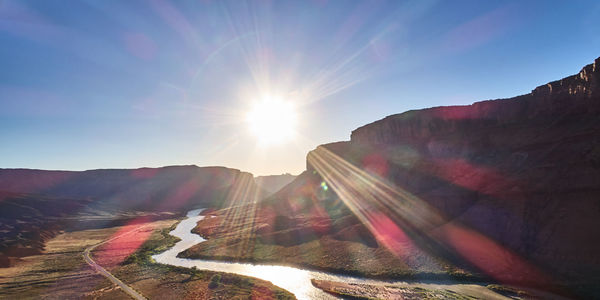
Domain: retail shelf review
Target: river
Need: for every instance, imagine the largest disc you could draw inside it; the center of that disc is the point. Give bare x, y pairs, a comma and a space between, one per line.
295, 280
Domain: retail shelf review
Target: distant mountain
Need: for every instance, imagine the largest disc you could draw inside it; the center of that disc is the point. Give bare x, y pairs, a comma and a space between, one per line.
273, 183
35, 205
152, 189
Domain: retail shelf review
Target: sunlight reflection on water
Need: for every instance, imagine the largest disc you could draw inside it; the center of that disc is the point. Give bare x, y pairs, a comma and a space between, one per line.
294, 280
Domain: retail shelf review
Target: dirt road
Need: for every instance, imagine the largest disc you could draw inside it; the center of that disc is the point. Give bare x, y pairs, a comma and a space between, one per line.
127, 289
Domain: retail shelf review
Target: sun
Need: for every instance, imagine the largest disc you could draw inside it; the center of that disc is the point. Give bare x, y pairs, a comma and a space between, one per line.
272, 120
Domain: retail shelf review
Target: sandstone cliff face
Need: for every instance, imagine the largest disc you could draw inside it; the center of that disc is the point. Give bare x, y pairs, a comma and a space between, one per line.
577, 94
524, 172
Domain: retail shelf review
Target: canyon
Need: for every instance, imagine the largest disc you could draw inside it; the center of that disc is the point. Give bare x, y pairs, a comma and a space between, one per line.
501, 190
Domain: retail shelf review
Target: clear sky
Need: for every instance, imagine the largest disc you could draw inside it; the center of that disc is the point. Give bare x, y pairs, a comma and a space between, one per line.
125, 84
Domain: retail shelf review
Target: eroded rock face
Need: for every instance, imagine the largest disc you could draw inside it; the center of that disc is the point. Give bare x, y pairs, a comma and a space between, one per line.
573, 95
524, 171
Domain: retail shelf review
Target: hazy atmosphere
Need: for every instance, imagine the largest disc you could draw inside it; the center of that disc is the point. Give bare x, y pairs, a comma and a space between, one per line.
101, 84
308, 150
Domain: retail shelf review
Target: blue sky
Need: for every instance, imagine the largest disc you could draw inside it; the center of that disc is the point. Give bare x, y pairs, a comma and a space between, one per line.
107, 84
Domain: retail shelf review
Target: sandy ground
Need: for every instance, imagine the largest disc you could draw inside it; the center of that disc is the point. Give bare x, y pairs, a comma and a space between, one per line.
59, 273
62, 273
408, 291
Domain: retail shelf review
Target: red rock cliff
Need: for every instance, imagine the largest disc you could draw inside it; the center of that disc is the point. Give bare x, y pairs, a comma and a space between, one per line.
523, 172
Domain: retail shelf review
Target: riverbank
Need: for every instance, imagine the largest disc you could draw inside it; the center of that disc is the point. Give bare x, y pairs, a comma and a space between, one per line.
247, 242
222, 244
162, 281
295, 280
393, 275
405, 291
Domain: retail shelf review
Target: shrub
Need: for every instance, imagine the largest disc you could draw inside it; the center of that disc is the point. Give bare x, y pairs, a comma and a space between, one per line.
215, 281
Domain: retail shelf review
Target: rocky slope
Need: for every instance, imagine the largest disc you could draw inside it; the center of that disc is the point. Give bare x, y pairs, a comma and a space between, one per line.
35, 205
26, 221
522, 172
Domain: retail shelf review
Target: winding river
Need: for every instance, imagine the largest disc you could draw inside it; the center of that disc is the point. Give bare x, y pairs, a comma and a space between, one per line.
292, 279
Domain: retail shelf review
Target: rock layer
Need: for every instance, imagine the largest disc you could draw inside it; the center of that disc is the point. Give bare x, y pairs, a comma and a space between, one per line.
523, 172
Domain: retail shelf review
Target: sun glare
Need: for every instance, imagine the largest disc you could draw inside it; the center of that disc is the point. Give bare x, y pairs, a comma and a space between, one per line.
272, 121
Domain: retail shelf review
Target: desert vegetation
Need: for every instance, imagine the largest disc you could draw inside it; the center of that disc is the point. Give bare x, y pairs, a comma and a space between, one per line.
61, 272
150, 278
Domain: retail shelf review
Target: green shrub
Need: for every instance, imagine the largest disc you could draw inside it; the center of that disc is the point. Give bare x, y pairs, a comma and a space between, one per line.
215, 281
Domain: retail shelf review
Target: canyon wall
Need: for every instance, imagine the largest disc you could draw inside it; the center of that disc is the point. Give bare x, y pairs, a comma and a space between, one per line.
523, 172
